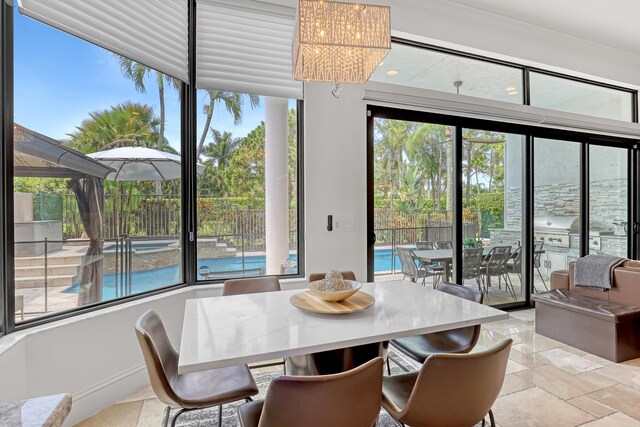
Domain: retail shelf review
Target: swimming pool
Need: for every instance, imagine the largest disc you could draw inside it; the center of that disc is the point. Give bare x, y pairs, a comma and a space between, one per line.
154, 279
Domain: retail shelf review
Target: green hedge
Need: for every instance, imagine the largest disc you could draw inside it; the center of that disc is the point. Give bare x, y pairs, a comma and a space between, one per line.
47, 207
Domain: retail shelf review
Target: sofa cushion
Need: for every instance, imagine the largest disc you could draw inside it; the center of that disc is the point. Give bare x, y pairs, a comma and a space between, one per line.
573, 301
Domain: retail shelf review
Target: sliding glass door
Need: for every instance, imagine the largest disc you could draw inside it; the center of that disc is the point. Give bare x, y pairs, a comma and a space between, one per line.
492, 201
412, 195
556, 207
509, 204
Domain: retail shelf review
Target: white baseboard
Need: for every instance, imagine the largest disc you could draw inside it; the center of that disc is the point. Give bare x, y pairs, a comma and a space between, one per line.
107, 392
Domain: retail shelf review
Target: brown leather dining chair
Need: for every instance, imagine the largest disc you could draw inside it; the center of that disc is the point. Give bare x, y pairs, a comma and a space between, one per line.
346, 275
450, 390
251, 285
350, 398
196, 390
461, 340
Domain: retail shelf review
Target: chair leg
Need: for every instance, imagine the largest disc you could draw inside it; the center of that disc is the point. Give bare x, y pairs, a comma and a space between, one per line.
388, 366
493, 420
220, 416
542, 278
175, 417
166, 416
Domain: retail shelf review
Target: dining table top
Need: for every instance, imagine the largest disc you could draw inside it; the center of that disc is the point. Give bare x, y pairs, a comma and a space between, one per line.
231, 330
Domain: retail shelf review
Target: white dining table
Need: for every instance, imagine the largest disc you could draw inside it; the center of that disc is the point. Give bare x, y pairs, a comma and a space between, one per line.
231, 330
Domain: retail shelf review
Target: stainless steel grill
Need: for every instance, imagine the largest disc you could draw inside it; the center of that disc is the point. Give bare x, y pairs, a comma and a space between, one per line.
555, 230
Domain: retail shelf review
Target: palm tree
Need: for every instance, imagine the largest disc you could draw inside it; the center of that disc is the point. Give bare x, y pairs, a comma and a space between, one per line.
222, 148
124, 125
232, 101
127, 124
137, 73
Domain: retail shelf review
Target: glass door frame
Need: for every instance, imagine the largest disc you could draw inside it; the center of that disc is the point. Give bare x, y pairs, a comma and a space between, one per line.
530, 132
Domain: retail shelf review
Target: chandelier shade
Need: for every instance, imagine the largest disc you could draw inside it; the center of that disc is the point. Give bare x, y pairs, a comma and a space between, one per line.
339, 42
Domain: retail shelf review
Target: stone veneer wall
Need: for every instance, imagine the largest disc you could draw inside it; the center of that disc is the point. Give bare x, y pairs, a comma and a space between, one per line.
607, 204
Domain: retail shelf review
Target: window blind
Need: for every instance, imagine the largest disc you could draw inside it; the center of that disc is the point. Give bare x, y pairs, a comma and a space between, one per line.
245, 46
151, 32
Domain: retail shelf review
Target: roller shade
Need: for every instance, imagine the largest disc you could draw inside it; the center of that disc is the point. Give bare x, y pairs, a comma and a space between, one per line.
397, 96
151, 32
245, 46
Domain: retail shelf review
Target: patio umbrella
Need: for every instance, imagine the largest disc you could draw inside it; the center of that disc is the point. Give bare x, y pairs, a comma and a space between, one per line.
141, 164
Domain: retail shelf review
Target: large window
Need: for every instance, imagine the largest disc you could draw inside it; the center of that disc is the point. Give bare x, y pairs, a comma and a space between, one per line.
97, 202
429, 69
561, 94
247, 201
458, 73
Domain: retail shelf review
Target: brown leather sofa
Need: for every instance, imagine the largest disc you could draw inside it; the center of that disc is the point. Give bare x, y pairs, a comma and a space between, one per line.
604, 323
626, 284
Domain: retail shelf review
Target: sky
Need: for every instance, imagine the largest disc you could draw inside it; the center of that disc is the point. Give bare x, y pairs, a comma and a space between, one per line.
60, 79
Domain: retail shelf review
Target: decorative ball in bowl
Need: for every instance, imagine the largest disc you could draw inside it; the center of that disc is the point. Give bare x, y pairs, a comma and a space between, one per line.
333, 287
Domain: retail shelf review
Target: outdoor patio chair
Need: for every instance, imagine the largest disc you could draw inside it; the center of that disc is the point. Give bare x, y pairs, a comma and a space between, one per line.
444, 244
495, 264
413, 268
425, 246
195, 390
461, 340
538, 248
449, 389
350, 398
471, 261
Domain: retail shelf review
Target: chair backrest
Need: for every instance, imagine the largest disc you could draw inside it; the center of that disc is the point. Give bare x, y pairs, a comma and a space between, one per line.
457, 389
346, 275
349, 398
471, 260
251, 285
408, 265
425, 246
461, 292
444, 244
159, 355
517, 259
498, 257
537, 252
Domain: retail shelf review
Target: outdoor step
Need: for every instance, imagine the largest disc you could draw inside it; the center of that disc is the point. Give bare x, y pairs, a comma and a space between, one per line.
38, 281
52, 270
51, 260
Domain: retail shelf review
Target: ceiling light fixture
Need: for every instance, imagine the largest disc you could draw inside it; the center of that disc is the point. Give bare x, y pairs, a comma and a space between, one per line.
513, 92
511, 88
339, 42
392, 72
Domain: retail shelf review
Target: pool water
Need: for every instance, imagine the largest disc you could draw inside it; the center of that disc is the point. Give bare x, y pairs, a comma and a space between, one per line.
154, 279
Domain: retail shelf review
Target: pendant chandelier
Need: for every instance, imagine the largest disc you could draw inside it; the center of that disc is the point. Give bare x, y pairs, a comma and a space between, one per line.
339, 42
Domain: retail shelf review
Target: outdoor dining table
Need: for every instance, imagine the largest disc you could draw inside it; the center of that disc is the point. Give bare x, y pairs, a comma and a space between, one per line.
231, 330
442, 255
446, 255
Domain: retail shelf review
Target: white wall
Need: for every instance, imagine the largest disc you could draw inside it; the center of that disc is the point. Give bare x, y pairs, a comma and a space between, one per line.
335, 179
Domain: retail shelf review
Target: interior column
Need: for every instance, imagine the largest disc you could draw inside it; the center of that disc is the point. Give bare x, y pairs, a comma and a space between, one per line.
276, 183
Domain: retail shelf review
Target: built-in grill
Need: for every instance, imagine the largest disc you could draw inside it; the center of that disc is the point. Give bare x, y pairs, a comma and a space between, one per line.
555, 230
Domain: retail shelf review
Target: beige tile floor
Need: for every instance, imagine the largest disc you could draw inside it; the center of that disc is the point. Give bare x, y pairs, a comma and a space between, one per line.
547, 384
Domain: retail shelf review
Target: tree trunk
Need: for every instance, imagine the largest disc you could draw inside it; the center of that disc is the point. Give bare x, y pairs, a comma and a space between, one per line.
205, 131
162, 119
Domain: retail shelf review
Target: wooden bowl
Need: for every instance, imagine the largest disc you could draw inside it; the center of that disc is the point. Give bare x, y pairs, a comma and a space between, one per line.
334, 296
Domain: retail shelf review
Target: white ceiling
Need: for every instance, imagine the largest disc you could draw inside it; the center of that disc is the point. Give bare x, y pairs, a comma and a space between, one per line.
613, 23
